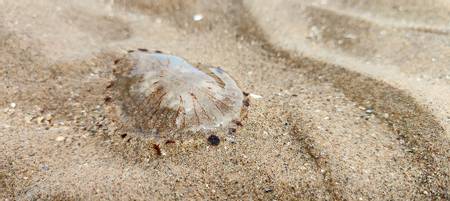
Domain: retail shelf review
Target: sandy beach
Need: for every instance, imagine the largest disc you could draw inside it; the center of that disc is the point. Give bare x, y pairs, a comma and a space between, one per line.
349, 100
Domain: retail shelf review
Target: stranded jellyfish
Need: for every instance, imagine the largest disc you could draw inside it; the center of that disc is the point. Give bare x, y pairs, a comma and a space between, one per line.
165, 96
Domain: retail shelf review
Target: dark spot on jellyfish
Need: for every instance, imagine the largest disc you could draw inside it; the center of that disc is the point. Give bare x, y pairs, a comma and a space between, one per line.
157, 149
268, 190
124, 135
237, 122
107, 99
245, 93
116, 61
170, 142
158, 51
246, 102
214, 140
130, 51
142, 49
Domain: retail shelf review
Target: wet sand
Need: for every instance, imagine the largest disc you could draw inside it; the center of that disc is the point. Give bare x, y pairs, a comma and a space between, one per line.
355, 100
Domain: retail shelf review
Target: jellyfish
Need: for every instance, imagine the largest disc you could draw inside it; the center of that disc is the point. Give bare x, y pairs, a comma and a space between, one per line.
164, 95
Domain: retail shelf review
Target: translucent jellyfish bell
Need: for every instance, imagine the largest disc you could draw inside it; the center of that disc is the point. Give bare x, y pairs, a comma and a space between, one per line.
165, 93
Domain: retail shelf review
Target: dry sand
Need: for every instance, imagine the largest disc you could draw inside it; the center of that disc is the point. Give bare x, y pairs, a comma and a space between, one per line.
355, 100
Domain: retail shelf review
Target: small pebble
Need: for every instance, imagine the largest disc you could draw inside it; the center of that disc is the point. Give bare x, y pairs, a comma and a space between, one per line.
214, 140
60, 138
197, 17
268, 190
12, 105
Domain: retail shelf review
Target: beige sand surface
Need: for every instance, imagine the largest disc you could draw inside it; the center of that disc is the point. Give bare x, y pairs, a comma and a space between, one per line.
355, 100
